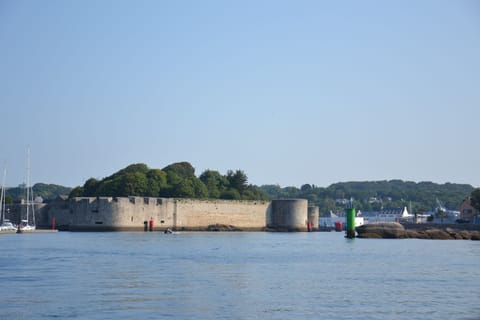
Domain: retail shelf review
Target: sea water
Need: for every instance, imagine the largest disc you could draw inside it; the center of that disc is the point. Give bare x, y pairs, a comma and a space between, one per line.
236, 275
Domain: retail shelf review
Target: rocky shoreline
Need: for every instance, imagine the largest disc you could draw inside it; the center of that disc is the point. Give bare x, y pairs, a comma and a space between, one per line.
394, 230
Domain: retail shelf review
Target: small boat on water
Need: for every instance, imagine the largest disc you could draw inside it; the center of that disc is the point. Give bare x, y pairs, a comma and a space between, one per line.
7, 226
26, 226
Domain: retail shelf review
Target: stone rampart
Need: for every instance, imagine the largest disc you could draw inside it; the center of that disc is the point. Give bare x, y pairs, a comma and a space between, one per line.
135, 214
199, 214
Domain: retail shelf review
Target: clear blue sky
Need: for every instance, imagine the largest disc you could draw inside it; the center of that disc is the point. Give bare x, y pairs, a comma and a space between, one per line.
291, 92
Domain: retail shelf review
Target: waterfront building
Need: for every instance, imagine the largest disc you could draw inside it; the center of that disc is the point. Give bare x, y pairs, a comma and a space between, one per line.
469, 213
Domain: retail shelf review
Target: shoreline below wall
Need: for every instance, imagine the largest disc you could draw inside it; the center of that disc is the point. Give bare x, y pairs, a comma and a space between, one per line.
209, 228
29, 231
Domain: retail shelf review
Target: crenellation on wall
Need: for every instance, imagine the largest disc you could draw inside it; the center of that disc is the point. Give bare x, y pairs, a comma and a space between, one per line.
135, 213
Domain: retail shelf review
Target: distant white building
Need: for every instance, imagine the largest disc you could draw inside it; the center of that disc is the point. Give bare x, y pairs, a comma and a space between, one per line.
342, 202
329, 222
387, 215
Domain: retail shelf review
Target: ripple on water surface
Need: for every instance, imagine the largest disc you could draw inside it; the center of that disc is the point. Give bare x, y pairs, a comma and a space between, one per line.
236, 276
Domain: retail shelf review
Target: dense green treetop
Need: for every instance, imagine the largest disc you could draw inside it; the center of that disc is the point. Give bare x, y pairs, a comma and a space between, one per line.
175, 180
183, 169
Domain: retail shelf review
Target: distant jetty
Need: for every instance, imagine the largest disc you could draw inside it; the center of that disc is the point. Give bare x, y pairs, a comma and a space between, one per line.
28, 231
394, 230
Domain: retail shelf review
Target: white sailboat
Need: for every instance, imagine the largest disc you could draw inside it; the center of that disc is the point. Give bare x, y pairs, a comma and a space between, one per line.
5, 224
28, 223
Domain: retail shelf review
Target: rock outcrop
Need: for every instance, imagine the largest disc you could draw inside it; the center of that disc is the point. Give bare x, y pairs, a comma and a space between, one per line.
387, 230
394, 230
222, 227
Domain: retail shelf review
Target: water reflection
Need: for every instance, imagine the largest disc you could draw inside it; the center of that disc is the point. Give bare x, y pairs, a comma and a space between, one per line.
236, 276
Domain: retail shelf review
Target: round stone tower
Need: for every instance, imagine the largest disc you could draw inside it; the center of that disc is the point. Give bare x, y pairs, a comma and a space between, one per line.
289, 215
313, 217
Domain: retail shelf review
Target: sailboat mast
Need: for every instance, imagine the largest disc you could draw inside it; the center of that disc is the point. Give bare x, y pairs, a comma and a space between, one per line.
27, 184
2, 197
29, 191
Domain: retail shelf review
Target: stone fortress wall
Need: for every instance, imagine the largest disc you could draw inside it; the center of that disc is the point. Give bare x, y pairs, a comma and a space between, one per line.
135, 214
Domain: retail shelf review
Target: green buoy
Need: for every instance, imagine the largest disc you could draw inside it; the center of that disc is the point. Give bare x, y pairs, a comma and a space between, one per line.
350, 222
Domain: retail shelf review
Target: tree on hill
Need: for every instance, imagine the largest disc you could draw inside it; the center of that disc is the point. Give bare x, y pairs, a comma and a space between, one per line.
90, 187
48, 192
157, 181
214, 182
237, 180
374, 195
133, 168
183, 169
475, 198
182, 182
175, 180
77, 192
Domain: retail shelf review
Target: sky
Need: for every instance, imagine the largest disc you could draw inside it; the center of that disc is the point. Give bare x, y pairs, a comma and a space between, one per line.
290, 92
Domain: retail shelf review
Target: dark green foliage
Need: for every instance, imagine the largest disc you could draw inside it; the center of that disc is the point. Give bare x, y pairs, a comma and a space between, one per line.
475, 198
132, 183
214, 182
179, 180
183, 169
184, 189
254, 193
237, 180
200, 190
77, 192
157, 181
17, 193
47, 191
90, 187
231, 194
134, 168
175, 180
136, 179
374, 195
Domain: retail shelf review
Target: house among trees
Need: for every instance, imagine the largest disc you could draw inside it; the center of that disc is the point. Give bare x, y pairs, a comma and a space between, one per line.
468, 213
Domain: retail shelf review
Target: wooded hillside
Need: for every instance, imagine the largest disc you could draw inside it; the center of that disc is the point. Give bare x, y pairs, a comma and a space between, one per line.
374, 195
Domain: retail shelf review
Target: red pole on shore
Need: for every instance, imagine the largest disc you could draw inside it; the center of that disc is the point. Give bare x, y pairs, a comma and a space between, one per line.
151, 224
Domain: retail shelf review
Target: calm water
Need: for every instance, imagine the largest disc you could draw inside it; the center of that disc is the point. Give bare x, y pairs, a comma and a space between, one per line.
236, 276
